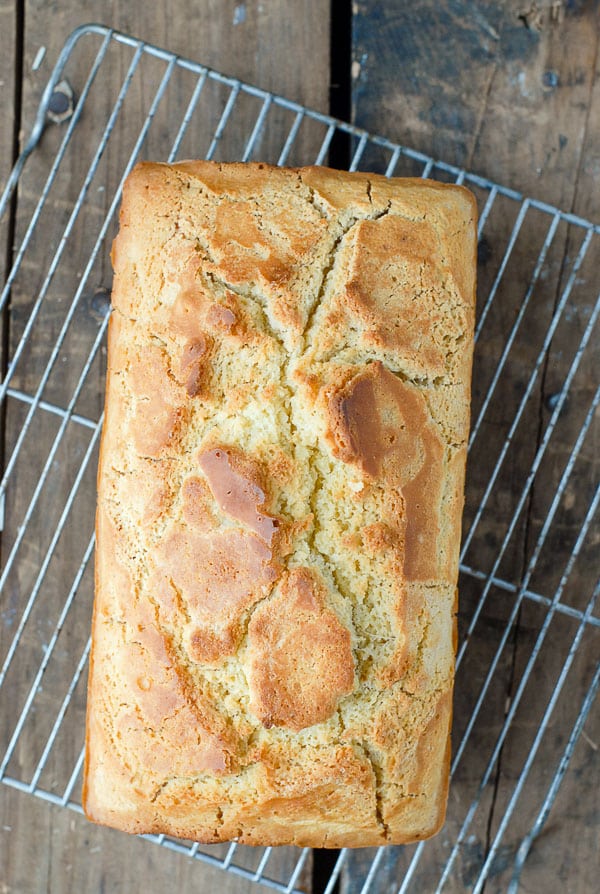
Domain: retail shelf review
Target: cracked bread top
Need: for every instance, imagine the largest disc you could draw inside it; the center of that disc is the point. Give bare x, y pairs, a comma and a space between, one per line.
279, 505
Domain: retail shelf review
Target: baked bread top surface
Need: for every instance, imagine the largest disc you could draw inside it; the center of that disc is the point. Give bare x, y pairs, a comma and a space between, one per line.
280, 494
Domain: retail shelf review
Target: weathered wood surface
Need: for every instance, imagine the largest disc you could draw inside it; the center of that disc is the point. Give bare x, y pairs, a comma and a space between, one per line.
510, 91
8, 102
277, 46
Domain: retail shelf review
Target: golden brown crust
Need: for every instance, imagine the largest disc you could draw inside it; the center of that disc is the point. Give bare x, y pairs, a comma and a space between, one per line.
382, 425
301, 662
279, 504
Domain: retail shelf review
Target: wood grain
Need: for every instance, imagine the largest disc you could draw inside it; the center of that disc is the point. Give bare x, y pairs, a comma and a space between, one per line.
8, 101
7, 104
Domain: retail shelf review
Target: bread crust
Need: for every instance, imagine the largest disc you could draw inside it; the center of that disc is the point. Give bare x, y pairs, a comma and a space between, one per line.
280, 492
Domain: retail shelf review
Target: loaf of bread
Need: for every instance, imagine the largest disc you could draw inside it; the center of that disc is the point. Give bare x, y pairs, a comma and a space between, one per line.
279, 506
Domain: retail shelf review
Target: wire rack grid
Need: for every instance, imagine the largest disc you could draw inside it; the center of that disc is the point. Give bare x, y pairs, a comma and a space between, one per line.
527, 671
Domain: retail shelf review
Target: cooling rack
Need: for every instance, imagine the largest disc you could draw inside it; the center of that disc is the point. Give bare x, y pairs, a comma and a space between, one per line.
527, 669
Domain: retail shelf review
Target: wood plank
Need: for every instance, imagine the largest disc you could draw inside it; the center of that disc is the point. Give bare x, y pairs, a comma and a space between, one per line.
8, 46
480, 89
279, 47
559, 88
567, 847
7, 102
8, 43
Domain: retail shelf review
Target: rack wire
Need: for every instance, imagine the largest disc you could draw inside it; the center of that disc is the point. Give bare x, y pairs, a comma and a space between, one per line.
529, 572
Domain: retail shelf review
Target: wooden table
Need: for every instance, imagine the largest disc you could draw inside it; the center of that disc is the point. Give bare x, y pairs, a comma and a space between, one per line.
510, 90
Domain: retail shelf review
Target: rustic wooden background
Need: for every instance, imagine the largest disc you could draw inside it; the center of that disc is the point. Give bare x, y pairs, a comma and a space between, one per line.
508, 88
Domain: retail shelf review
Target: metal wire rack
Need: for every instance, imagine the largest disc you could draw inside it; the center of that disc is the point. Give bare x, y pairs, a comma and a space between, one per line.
528, 631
